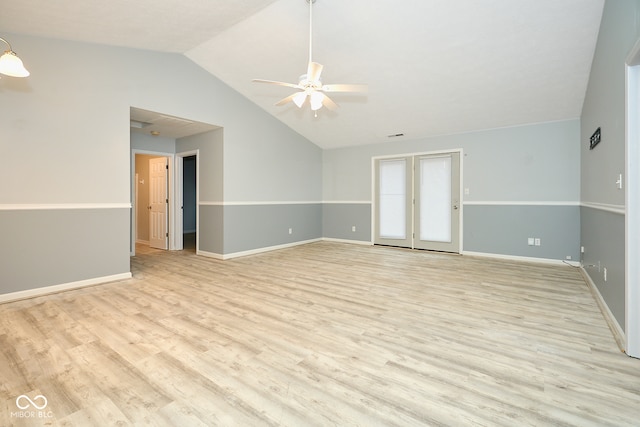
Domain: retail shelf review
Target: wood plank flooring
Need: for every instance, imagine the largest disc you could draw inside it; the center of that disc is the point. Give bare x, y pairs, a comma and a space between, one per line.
323, 334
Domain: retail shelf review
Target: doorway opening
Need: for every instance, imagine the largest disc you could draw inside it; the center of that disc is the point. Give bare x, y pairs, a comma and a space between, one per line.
178, 142
151, 202
187, 196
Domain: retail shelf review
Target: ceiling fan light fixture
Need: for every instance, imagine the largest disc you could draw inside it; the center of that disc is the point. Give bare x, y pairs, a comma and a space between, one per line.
310, 84
299, 99
10, 64
316, 99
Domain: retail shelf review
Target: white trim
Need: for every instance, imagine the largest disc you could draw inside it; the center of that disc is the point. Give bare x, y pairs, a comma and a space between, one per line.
347, 202
352, 242
32, 293
519, 203
632, 201
618, 209
254, 251
614, 326
210, 255
522, 258
57, 206
419, 153
255, 203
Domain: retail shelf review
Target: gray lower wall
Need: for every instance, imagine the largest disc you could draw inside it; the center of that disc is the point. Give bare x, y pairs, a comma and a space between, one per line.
257, 226
46, 247
211, 232
603, 237
489, 229
504, 230
338, 220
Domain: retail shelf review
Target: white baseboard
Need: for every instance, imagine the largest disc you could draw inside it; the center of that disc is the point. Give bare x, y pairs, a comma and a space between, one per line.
255, 251
523, 258
614, 326
32, 293
352, 242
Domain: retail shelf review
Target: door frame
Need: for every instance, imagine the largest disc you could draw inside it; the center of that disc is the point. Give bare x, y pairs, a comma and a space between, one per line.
460, 152
134, 207
632, 203
177, 243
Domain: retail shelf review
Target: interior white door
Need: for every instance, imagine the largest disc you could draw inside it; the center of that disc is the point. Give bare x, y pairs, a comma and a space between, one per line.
158, 203
393, 202
437, 202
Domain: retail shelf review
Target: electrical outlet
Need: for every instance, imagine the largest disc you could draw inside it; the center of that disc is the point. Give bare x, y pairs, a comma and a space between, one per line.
537, 241
530, 241
605, 273
353, 228
581, 249
291, 231
568, 257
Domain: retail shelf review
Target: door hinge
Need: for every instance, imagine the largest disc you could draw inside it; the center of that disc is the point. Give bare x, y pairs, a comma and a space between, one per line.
166, 166
166, 200
167, 234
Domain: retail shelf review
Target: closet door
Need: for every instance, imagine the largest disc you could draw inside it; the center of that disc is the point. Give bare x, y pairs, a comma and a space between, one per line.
437, 202
393, 204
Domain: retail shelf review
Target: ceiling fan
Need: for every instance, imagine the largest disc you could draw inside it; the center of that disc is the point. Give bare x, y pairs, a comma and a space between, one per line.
310, 84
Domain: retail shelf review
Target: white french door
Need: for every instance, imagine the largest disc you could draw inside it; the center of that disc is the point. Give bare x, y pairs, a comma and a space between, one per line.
417, 202
158, 203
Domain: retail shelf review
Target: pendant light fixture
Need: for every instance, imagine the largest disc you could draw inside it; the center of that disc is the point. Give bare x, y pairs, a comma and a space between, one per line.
11, 64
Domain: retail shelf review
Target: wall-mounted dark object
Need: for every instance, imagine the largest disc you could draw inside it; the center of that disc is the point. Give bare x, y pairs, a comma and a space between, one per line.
595, 139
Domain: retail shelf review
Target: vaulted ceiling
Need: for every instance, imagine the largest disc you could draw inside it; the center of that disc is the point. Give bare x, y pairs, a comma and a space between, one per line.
433, 67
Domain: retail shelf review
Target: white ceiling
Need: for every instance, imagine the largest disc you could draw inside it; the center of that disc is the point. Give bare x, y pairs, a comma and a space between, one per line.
433, 67
158, 124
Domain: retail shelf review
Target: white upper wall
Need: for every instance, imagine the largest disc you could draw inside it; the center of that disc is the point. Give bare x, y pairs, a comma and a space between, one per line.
535, 163
65, 129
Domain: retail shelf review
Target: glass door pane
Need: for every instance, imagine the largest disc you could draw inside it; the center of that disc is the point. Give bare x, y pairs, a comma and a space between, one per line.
393, 195
435, 199
393, 199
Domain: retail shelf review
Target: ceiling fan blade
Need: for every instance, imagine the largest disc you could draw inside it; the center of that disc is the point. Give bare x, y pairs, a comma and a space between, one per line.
345, 88
313, 71
328, 102
286, 100
272, 82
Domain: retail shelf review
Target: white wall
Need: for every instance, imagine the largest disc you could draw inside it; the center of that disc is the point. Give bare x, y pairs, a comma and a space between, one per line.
525, 163
70, 119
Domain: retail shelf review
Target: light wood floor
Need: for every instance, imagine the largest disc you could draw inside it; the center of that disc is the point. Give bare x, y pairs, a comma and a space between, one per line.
321, 334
